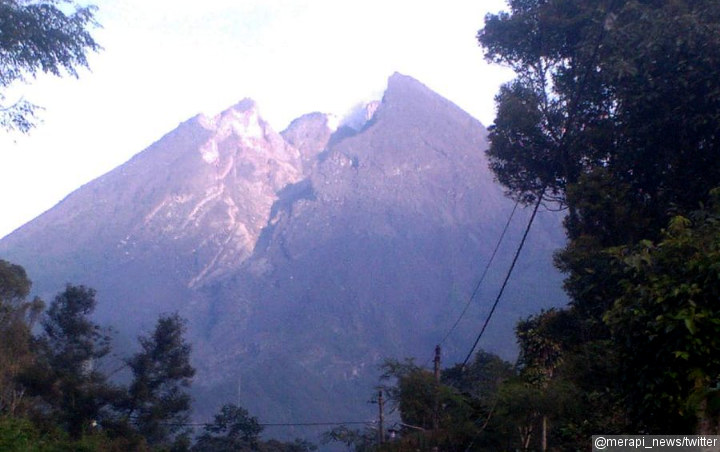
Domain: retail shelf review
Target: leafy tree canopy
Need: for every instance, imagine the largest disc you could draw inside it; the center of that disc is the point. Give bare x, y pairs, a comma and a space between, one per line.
16, 320
669, 310
158, 402
624, 87
613, 115
67, 373
40, 36
233, 429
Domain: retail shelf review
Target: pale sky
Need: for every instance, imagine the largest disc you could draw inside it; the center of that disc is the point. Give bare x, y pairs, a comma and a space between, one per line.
165, 61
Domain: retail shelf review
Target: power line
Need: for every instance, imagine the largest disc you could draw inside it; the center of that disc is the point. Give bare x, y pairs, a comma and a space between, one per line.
484, 273
507, 276
482, 277
277, 424
317, 424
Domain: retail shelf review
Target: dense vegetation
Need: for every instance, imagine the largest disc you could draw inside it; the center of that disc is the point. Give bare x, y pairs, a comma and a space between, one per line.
614, 116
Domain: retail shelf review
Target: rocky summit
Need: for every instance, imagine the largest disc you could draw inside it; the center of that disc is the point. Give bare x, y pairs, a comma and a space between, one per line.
302, 259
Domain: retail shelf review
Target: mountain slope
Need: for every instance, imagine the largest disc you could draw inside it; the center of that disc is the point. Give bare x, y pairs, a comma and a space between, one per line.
305, 258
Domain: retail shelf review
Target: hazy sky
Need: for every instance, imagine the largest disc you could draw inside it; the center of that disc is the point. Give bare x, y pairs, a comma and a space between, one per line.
165, 61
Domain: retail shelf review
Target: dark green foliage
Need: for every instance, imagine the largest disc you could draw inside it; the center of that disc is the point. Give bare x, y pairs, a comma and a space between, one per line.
72, 339
421, 400
465, 403
16, 434
354, 439
297, 445
158, 403
543, 400
21, 435
586, 100
45, 36
16, 320
559, 392
413, 392
14, 283
614, 114
548, 114
67, 376
552, 395
669, 310
481, 378
232, 429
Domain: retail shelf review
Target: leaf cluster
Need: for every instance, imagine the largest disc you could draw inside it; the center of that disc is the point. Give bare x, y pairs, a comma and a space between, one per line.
46, 36
614, 114
669, 310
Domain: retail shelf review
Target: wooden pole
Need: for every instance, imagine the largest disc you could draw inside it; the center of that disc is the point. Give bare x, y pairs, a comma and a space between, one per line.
436, 408
381, 416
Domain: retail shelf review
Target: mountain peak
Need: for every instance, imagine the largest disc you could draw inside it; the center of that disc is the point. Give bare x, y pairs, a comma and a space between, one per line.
242, 120
399, 78
244, 105
246, 108
411, 100
400, 83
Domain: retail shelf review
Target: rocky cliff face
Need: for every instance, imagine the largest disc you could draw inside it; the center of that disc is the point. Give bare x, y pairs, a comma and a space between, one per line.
310, 135
302, 259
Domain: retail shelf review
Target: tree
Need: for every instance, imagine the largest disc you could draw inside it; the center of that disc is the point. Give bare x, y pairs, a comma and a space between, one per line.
14, 284
17, 317
232, 430
67, 375
41, 36
480, 384
624, 86
354, 439
547, 340
481, 378
413, 392
462, 404
613, 116
669, 310
298, 445
158, 405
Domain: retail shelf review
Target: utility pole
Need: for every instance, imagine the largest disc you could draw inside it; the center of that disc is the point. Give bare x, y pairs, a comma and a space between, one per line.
381, 417
436, 408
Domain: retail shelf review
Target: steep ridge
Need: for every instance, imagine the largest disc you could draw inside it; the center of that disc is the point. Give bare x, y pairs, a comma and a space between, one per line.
187, 209
301, 259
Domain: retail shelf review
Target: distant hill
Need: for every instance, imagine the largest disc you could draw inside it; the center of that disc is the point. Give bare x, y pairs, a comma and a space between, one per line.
301, 259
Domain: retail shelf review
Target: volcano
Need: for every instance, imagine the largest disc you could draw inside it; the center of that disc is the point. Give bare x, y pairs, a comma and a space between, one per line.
302, 259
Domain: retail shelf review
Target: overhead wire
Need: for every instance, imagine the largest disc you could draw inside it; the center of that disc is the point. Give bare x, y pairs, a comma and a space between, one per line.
484, 273
507, 277
481, 279
276, 424
573, 108
316, 424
